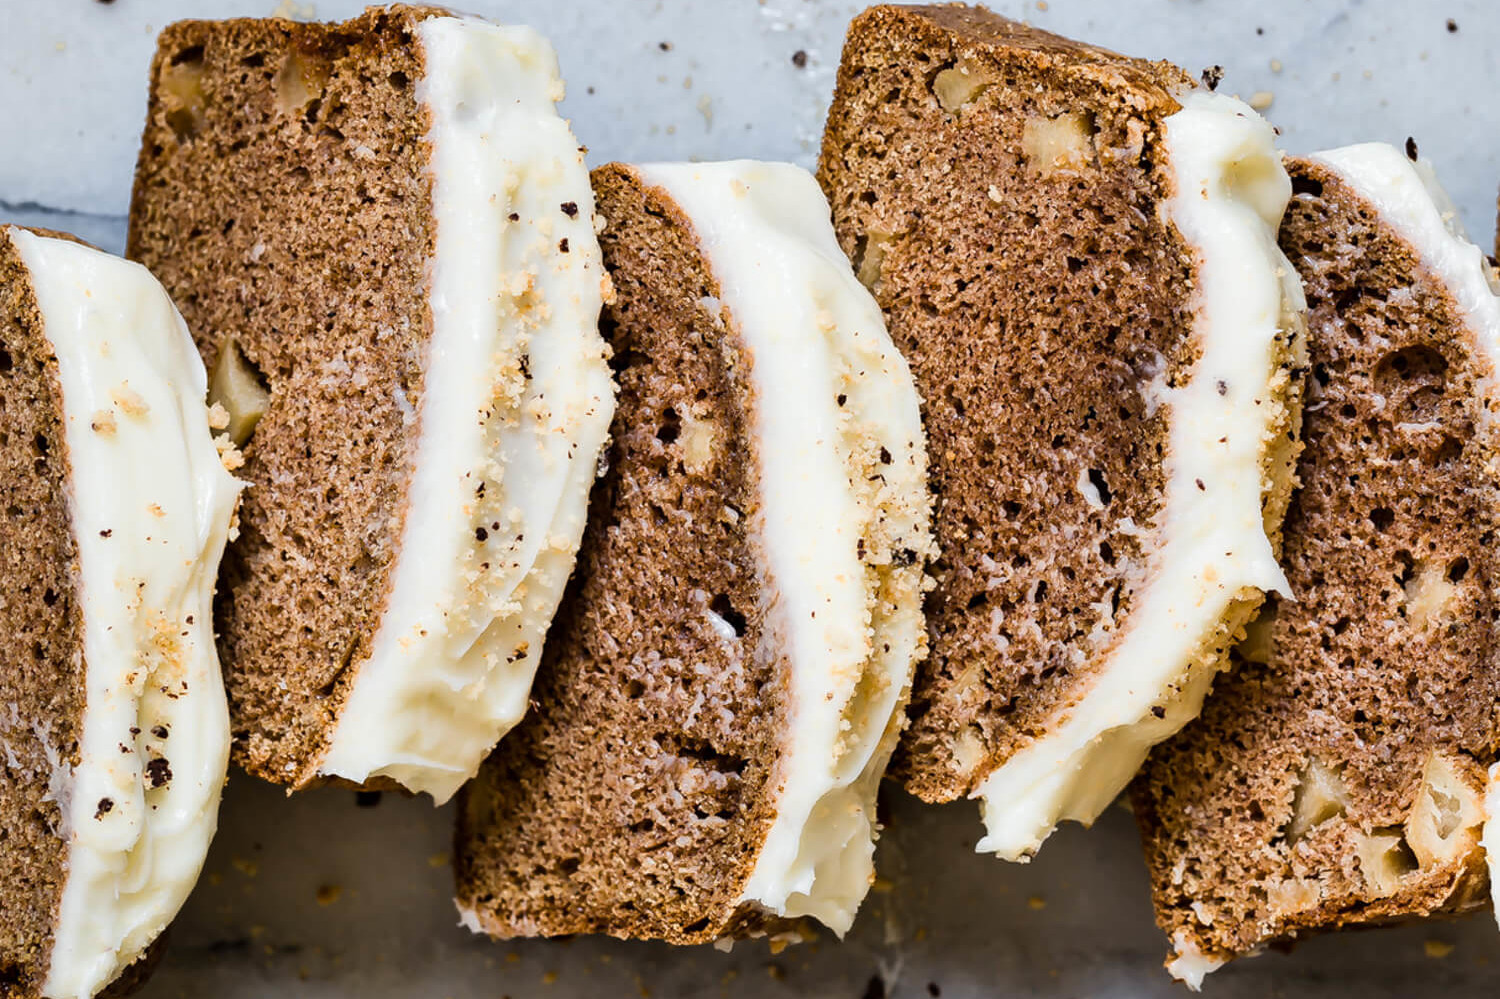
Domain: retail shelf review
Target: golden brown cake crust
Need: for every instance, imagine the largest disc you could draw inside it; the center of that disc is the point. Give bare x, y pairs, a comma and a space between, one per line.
41, 660
634, 798
999, 189
281, 198
1304, 797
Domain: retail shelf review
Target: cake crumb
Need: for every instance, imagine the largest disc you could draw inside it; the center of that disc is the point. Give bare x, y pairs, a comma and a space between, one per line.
1261, 99
218, 417
329, 894
1437, 949
129, 400
1452, 26
248, 868
1037, 902
438, 860
1276, 66
103, 422
799, 59
549, 978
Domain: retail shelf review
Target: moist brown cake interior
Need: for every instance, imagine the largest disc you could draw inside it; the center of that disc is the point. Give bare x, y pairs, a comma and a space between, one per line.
634, 798
1036, 291
1358, 676
41, 660
281, 198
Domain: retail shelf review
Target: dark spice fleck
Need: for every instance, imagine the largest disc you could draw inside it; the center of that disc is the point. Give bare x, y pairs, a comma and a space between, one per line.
562, 245
664, 46
1222, 386
1411, 149
1158, 711
799, 59
842, 399
1200, 484
107, 533
903, 556
859, 549
106, 805
515, 216
160, 731
480, 534
885, 456
159, 772
570, 209
1452, 26
1212, 76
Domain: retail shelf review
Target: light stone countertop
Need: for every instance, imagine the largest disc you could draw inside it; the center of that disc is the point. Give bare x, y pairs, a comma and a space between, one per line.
314, 896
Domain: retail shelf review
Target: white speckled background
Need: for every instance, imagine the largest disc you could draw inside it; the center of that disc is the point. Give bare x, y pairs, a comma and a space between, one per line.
315, 896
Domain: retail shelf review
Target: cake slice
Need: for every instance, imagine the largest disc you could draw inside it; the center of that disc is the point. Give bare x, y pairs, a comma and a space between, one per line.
1076, 251
114, 735
1337, 777
381, 234
725, 681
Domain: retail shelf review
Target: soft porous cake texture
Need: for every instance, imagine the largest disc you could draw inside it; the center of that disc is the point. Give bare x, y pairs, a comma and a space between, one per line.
724, 685
1337, 777
114, 733
381, 233
1076, 252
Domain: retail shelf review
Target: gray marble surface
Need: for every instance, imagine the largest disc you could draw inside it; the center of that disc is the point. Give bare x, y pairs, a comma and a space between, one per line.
314, 896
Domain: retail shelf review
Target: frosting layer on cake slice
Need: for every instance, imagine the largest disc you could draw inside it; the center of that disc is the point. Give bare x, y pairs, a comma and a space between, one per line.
726, 686
1229, 451
1337, 776
516, 404
1076, 252
841, 457
150, 503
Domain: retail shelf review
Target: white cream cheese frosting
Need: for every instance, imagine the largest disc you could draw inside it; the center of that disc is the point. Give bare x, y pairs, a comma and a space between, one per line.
842, 465
150, 504
515, 409
1489, 838
1214, 550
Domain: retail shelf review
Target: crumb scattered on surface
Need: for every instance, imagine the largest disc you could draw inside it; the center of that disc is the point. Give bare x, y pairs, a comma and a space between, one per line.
1276, 66
799, 59
248, 868
1037, 902
1452, 26
1437, 948
1261, 99
329, 894
438, 860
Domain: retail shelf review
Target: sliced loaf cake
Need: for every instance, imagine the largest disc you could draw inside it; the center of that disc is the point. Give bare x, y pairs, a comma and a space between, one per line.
114, 734
725, 681
1076, 251
1337, 776
381, 233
